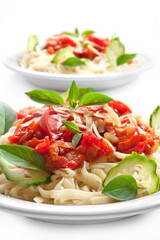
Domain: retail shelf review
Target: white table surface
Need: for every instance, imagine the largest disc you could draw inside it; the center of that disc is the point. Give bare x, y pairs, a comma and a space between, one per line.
137, 23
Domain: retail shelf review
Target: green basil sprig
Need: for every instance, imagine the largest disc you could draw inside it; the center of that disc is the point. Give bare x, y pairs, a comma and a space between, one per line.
125, 58
122, 188
7, 117
77, 137
87, 32
45, 97
73, 62
94, 98
23, 156
72, 127
73, 95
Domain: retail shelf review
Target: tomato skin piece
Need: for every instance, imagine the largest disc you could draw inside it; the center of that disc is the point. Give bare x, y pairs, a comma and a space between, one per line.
75, 162
50, 50
98, 41
88, 139
130, 142
44, 146
20, 116
105, 149
67, 135
138, 149
120, 107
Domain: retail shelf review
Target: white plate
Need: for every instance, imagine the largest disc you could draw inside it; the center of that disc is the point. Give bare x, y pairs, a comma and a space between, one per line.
80, 214
63, 81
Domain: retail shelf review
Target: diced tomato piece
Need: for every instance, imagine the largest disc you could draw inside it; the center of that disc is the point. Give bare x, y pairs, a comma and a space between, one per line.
50, 50
130, 62
75, 162
53, 163
13, 139
67, 135
88, 139
20, 116
105, 149
98, 41
120, 107
138, 149
44, 146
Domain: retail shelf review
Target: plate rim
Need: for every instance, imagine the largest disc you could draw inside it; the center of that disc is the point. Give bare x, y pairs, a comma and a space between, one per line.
10, 61
112, 209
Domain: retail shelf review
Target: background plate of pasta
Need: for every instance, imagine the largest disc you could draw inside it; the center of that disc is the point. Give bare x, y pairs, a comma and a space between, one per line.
81, 157
90, 60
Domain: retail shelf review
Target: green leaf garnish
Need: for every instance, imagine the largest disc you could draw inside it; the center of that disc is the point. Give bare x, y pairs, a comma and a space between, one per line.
73, 62
7, 117
68, 33
84, 44
121, 188
72, 127
76, 139
94, 98
32, 43
87, 32
83, 91
76, 32
125, 58
23, 156
45, 97
73, 95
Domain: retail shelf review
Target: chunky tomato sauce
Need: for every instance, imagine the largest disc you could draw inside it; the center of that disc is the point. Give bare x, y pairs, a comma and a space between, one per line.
60, 41
43, 130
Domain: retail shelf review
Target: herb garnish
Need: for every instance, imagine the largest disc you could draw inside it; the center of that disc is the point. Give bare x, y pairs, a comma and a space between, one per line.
123, 187
45, 97
73, 95
7, 117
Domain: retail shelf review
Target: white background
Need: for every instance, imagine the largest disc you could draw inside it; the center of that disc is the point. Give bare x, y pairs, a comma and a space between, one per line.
138, 24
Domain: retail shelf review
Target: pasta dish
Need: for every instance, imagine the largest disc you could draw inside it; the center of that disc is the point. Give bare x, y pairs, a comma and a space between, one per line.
83, 145
75, 53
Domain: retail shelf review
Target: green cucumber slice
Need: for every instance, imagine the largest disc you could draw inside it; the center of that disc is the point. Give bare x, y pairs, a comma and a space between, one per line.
145, 167
114, 51
62, 55
32, 43
155, 120
24, 177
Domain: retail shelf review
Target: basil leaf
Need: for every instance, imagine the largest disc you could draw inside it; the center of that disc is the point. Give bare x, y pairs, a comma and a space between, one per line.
72, 127
122, 188
45, 97
83, 91
76, 32
76, 139
87, 32
65, 95
7, 117
84, 44
68, 33
73, 95
73, 62
94, 98
125, 58
23, 156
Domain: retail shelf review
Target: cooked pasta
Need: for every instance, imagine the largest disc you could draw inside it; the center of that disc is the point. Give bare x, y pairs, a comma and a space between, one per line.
81, 184
89, 49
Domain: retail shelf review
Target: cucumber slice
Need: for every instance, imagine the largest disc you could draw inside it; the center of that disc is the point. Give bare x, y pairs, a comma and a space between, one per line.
32, 43
24, 177
155, 120
135, 162
114, 51
62, 55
